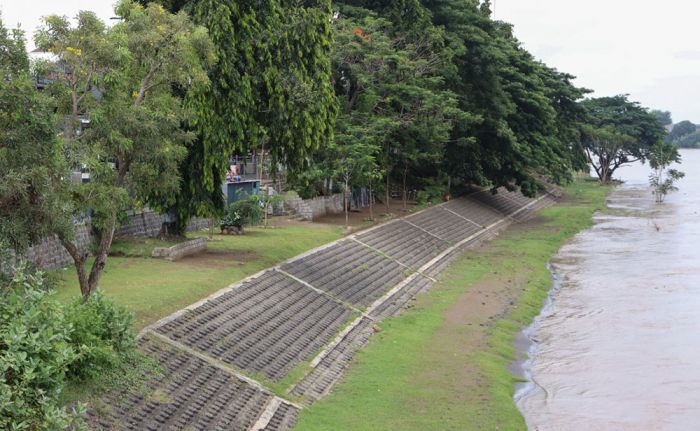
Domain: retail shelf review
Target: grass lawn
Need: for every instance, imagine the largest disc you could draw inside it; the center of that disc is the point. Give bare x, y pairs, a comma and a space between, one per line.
443, 365
154, 288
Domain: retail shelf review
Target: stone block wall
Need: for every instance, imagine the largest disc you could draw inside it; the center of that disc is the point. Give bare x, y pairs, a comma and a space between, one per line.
323, 205
198, 223
140, 223
311, 209
50, 254
148, 223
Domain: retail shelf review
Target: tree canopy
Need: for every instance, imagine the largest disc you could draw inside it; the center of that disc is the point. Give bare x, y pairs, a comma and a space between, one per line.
29, 151
681, 130
691, 140
122, 80
618, 132
663, 117
270, 90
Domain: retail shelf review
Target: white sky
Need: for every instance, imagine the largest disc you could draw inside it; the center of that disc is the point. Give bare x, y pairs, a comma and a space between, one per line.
28, 13
646, 48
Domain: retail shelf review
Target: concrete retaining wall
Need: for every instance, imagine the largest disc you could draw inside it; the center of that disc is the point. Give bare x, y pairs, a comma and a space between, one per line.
148, 223
50, 254
311, 209
178, 251
140, 223
323, 205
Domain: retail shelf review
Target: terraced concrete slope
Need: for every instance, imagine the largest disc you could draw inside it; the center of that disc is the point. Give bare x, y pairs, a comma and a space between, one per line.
250, 356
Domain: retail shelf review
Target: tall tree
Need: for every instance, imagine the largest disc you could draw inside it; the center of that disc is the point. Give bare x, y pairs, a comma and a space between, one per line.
134, 142
388, 84
618, 132
523, 110
271, 87
663, 117
681, 130
30, 155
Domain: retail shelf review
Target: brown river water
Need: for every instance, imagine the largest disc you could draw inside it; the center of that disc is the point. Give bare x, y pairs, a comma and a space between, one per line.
617, 345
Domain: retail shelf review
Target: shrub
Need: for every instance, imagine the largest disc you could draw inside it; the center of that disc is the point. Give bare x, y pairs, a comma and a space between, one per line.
232, 218
35, 352
431, 193
245, 211
101, 334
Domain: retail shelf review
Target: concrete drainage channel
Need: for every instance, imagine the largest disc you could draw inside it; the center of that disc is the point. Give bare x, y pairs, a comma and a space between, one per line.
223, 358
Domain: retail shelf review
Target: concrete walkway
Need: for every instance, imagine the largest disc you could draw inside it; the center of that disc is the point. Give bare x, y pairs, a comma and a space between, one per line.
253, 354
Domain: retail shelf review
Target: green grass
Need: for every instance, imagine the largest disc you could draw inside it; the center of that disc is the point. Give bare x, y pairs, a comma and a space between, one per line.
138, 246
154, 288
415, 376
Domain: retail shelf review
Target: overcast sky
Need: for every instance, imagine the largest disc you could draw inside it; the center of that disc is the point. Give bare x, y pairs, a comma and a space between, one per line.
648, 49
28, 13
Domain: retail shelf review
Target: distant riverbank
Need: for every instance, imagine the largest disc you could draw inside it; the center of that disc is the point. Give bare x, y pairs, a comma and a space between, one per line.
444, 364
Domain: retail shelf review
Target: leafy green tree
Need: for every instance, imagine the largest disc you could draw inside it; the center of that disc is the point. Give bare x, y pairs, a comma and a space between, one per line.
524, 115
663, 117
30, 155
691, 140
134, 143
86, 52
618, 132
605, 148
356, 159
662, 179
388, 83
270, 89
681, 130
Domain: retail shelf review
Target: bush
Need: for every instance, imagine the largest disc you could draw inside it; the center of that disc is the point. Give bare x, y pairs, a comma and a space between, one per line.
35, 352
431, 193
101, 334
245, 211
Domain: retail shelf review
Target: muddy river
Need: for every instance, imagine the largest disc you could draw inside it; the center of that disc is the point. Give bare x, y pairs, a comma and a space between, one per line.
617, 346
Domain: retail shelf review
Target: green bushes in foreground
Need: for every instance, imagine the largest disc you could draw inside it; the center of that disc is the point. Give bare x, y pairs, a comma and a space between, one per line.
43, 345
35, 352
101, 334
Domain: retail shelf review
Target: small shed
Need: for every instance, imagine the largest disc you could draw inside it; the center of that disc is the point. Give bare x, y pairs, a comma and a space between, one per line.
234, 190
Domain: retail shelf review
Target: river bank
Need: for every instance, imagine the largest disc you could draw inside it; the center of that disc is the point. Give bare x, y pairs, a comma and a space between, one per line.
444, 363
615, 348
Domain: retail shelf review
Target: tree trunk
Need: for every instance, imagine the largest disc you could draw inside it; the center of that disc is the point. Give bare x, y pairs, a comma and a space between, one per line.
79, 259
106, 236
386, 192
603, 169
262, 159
266, 208
345, 201
405, 194
105, 243
371, 204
